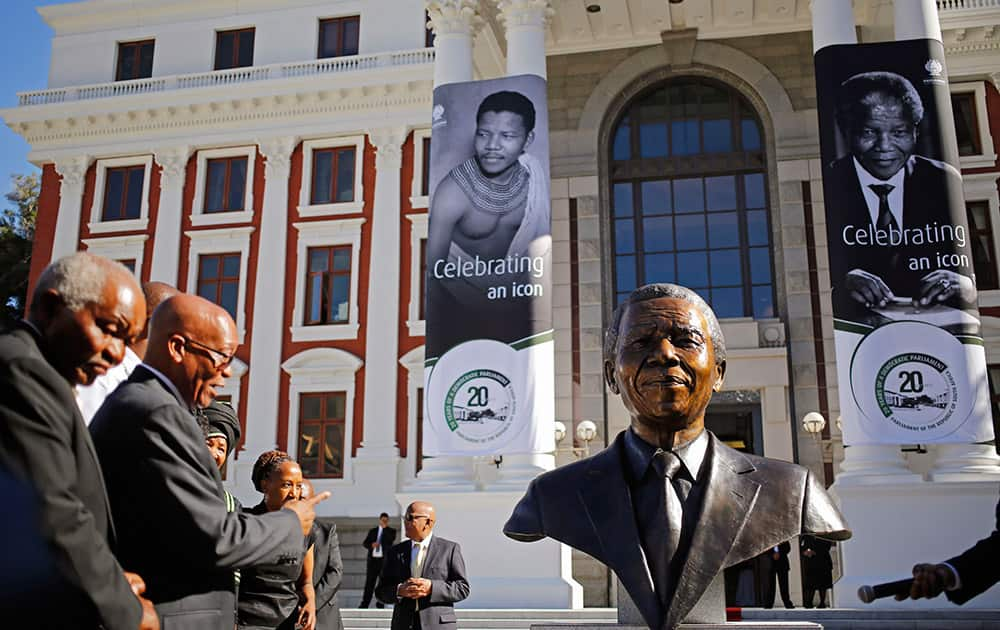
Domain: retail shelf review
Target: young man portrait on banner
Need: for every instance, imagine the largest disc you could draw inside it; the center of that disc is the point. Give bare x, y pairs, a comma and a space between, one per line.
898, 241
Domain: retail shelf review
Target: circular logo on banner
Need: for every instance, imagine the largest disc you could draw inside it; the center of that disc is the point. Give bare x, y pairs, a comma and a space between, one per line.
913, 395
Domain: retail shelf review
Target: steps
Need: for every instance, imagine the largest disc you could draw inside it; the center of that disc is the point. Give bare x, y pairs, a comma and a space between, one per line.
862, 619
487, 618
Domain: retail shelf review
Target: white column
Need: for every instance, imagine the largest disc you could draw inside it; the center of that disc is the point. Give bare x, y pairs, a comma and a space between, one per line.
455, 23
268, 305
524, 22
833, 23
67, 236
167, 233
916, 19
960, 462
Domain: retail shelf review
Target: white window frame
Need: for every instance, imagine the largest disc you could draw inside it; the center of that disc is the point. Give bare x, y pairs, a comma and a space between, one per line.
983, 187
413, 361
97, 225
418, 231
988, 157
417, 198
323, 370
130, 246
306, 207
198, 215
326, 234
222, 241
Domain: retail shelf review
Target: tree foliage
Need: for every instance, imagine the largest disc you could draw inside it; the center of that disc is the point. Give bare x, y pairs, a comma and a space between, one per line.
17, 233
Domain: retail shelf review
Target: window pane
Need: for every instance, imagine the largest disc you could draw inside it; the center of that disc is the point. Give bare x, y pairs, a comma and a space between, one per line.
623, 200
688, 195
322, 164
653, 140
725, 264
723, 229
134, 198
335, 406
342, 259
145, 61
751, 135
754, 185
659, 268
228, 298
315, 298
207, 290
215, 186
338, 298
691, 232
333, 451
763, 302
727, 302
624, 273
982, 245
208, 268
760, 265
224, 43
246, 49
624, 237
720, 192
351, 29
966, 128
621, 149
309, 446
714, 102
231, 266
684, 137
757, 233
237, 183
329, 36
655, 196
319, 259
345, 175
126, 62
718, 137
113, 188
692, 269
657, 234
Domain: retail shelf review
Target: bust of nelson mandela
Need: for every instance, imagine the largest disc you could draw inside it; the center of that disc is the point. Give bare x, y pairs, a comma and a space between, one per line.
667, 506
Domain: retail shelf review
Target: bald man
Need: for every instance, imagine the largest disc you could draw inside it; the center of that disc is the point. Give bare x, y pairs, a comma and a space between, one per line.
91, 397
165, 489
84, 311
424, 576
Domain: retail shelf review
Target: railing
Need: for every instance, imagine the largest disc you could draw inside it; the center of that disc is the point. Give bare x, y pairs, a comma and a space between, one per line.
958, 5
332, 65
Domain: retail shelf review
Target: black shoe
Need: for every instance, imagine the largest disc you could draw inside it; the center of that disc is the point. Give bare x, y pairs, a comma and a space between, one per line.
379, 605
789, 606
363, 605
822, 605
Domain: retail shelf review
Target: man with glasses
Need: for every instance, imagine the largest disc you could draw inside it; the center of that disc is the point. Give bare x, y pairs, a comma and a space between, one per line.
165, 491
424, 576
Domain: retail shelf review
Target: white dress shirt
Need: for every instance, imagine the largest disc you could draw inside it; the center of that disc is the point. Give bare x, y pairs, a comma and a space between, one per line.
90, 397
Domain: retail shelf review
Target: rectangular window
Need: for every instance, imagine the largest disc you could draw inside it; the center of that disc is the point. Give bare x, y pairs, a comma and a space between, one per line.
322, 434
234, 49
123, 193
338, 37
219, 280
423, 278
135, 60
225, 184
333, 175
328, 285
425, 175
981, 232
963, 105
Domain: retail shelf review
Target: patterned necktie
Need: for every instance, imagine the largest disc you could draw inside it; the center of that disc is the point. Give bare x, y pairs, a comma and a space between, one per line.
885, 219
418, 564
671, 466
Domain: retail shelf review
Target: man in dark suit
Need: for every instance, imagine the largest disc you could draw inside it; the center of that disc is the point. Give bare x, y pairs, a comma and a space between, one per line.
667, 494
84, 311
165, 490
377, 542
328, 569
892, 209
424, 576
779, 568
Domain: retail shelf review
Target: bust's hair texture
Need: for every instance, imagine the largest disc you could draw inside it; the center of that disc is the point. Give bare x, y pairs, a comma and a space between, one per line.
859, 93
507, 101
79, 278
664, 290
267, 463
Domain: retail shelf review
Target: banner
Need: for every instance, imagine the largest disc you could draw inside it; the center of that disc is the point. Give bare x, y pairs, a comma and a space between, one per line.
910, 357
489, 372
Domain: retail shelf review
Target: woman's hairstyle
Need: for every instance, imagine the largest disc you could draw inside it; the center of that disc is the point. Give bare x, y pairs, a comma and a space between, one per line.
267, 463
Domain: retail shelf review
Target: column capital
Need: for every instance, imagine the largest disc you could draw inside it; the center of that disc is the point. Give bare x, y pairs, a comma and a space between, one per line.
172, 161
278, 153
72, 169
388, 142
994, 78
514, 13
454, 17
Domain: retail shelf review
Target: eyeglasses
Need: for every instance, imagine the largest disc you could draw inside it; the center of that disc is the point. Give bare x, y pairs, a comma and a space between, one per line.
220, 360
409, 518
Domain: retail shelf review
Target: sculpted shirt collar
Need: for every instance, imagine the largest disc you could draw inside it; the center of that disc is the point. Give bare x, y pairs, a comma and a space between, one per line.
640, 454
166, 382
895, 196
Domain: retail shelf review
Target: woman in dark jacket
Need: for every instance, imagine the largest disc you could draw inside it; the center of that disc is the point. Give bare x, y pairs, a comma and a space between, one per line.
270, 595
817, 569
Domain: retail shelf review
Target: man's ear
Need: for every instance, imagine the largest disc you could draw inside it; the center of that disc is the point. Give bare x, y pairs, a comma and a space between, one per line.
46, 306
176, 348
609, 377
527, 141
720, 375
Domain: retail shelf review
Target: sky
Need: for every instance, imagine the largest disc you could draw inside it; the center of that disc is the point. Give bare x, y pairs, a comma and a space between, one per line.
24, 65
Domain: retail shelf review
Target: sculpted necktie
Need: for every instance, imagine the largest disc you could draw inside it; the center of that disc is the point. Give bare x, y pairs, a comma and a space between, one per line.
885, 219
671, 466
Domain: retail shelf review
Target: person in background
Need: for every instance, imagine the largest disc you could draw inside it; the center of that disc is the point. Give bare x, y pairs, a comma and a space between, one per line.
328, 569
778, 569
379, 539
222, 432
817, 569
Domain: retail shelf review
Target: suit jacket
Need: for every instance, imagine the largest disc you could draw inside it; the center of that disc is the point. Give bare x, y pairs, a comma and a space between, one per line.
167, 498
781, 564
932, 192
328, 571
388, 538
444, 567
749, 504
44, 443
979, 567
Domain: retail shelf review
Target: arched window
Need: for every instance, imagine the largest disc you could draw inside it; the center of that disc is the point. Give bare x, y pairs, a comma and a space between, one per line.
689, 197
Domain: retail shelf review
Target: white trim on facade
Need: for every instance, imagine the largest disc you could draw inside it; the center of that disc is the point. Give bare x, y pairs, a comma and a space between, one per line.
323, 370
324, 234
306, 207
418, 232
417, 197
97, 225
128, 247
988, 157
983, 187
198, 215
222, 241
413, 361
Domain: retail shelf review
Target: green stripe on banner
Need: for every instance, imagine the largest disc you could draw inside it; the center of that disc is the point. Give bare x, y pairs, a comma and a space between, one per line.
430, 362
852, 327
971, 340
534, 340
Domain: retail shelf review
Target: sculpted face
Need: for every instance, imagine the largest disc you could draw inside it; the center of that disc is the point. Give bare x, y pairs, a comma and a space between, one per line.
885, 139
665, 366
500, 140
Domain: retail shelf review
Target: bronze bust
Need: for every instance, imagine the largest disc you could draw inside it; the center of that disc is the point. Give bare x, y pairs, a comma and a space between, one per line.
665, 355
